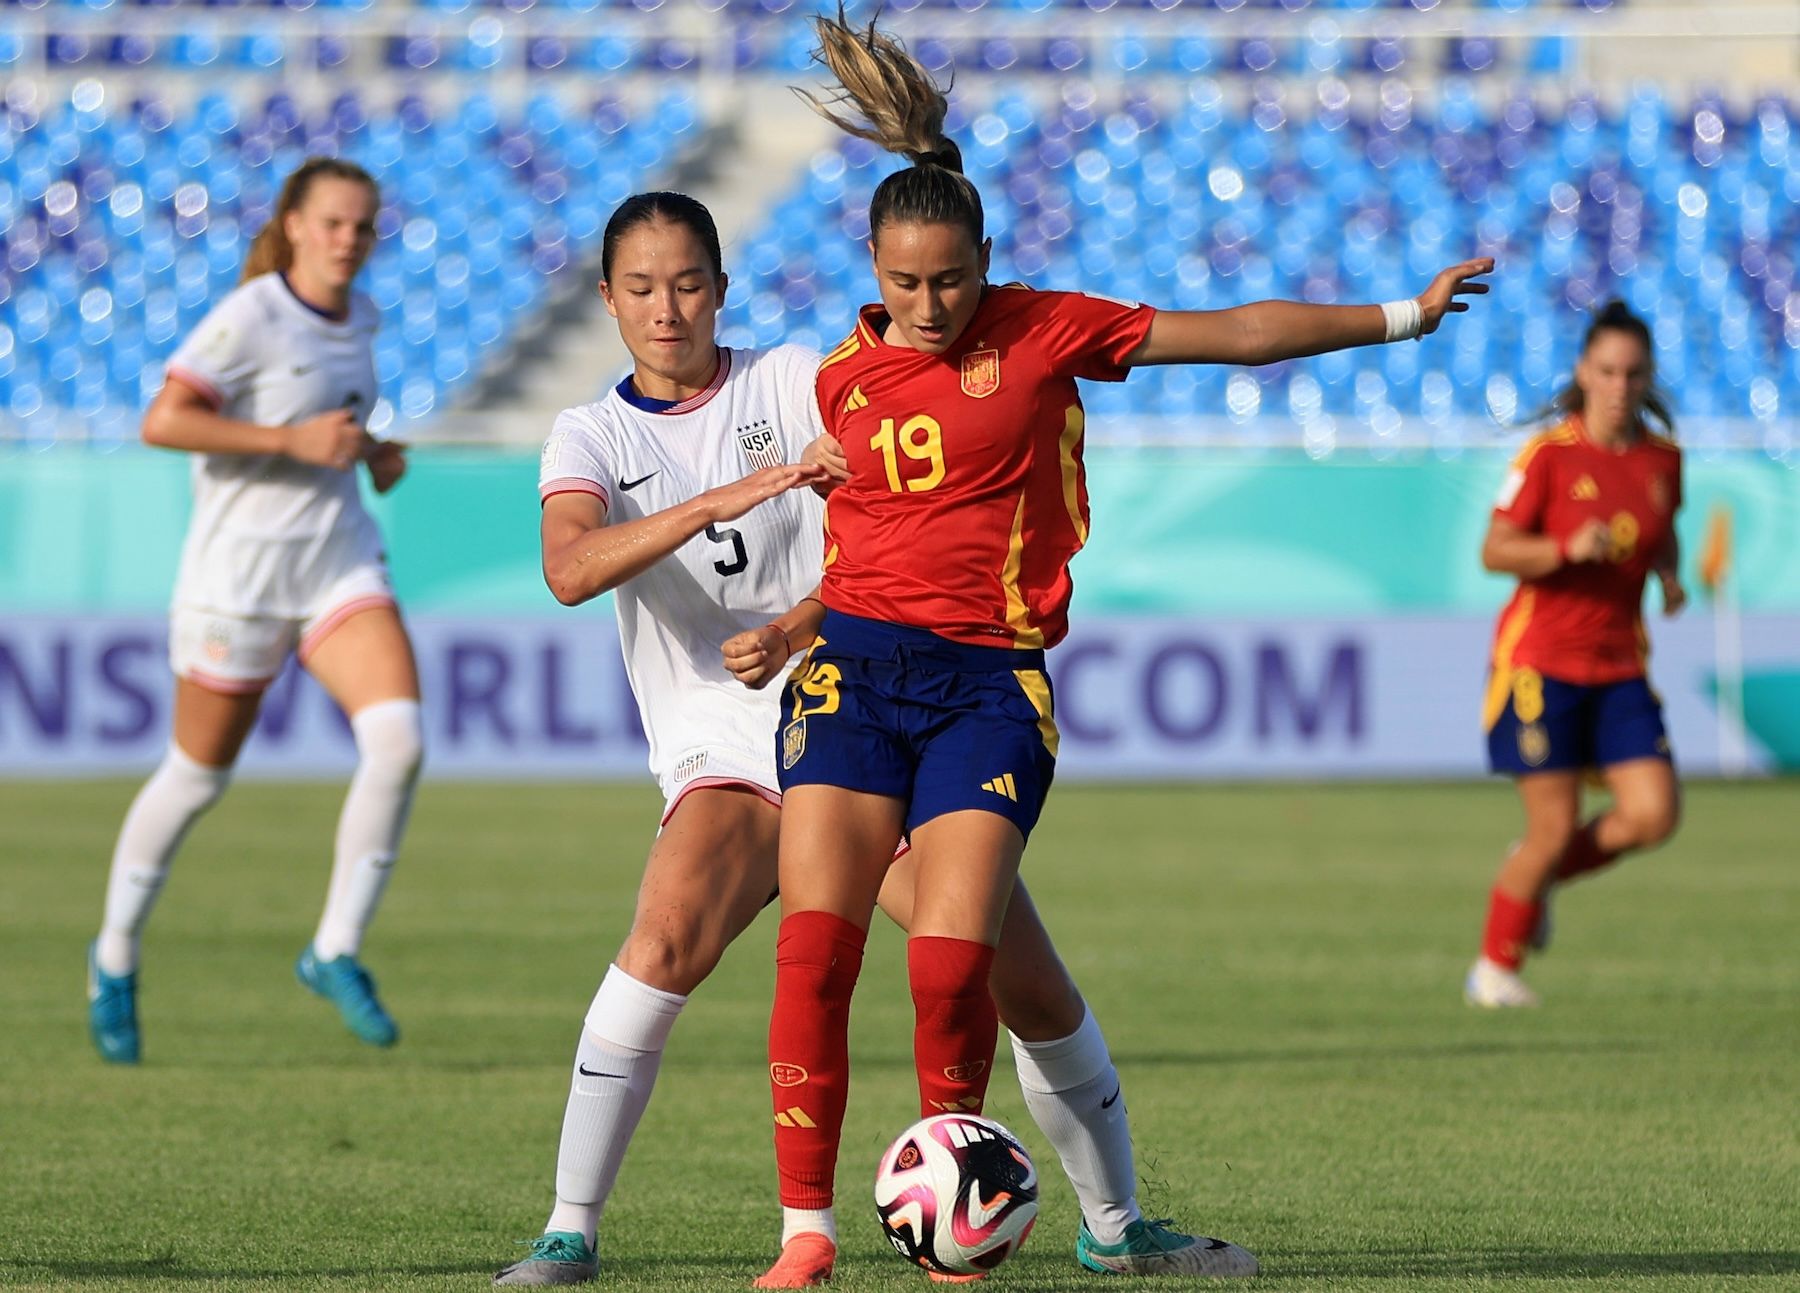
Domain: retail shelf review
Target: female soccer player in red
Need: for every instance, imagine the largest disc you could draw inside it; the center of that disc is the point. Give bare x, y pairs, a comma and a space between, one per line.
1586, 514
923, 706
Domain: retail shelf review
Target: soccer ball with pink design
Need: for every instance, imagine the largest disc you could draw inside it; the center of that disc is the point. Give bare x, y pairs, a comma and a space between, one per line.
956, 1194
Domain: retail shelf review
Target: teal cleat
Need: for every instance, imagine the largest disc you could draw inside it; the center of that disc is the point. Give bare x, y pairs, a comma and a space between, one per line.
556, 1257
112, 1013
345, 984
1157, 1248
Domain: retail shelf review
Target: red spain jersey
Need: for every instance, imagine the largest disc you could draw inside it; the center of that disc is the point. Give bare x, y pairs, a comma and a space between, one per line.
967, 497
1584, 623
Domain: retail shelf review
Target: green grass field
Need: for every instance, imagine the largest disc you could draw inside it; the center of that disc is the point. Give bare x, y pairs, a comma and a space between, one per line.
1277, 970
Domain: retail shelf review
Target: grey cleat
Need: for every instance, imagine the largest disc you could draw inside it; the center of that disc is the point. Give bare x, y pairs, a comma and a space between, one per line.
556, 1257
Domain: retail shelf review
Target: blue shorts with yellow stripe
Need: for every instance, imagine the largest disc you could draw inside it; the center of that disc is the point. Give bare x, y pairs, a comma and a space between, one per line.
899, 711
1541, 724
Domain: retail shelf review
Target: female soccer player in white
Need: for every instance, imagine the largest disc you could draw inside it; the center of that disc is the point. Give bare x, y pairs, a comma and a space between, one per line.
682, 490
269, 394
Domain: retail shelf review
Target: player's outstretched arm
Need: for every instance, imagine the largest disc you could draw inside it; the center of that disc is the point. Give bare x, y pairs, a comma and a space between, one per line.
757, 655
584, 557
181, 417
1269, 331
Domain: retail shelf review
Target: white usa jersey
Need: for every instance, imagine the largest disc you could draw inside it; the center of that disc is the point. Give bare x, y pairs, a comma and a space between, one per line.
703, 725
268, 533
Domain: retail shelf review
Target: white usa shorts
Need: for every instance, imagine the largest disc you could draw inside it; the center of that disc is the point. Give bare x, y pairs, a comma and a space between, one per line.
237, 654
730, 742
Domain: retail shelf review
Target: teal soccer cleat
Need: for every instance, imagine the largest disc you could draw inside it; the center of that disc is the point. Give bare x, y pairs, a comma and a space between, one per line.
1157, 1248
112, 1013
557, 1257
345, 984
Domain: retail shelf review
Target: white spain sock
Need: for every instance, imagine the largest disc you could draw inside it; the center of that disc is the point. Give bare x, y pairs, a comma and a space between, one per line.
390, 745
1073, 1093
621, 1049
178, 792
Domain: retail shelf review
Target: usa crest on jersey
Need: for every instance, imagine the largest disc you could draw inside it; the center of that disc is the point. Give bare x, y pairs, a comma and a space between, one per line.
760, 444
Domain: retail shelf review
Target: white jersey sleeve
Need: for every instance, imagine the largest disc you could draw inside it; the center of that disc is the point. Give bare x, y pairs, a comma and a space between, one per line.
798, 392
577, 457
221, 356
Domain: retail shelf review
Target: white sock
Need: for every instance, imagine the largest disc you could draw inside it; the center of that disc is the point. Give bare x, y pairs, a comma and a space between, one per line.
804, 1221
1073, 1093
171, 801
390, 746
615, 1070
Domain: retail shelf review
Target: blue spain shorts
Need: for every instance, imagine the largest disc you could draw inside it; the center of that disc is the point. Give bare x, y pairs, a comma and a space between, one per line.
1541, 724
899, 711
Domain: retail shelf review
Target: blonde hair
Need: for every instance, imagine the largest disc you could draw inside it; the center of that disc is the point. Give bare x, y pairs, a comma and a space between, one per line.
270, 251
901, 110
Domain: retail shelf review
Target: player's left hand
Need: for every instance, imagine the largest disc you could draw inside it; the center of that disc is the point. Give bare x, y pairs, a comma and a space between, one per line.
387, 462
827, 453
755, 656
1459, 280
1673, 594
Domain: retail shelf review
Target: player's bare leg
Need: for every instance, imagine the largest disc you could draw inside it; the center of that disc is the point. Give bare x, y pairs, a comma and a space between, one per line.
710, 870
1552, 804
209, 729
1072, 1089
366, 665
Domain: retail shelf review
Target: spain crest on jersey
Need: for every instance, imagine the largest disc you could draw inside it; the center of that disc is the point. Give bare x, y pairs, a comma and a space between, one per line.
760, 444
980, 373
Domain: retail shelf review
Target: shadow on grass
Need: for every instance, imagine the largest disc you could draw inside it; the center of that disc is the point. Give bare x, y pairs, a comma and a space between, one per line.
172, 1267
1328, 1054
1525, 1263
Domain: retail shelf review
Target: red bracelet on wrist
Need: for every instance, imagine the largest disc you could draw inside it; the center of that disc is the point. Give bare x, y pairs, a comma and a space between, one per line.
786, 641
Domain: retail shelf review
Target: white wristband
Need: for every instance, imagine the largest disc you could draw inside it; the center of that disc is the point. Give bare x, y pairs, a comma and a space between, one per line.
1405, 320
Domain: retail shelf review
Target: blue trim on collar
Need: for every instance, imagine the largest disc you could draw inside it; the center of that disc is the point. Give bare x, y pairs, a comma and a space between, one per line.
629, 393
327, 315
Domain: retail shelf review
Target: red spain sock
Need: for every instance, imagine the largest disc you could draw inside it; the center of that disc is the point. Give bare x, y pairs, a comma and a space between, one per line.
817, 959
955, 1022
1584, 854
1509, 926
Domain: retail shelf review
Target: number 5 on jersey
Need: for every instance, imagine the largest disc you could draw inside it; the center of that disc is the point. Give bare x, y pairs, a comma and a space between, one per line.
921, 439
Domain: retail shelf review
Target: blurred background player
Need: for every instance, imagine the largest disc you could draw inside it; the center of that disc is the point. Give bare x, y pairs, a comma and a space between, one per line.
269, 393
1586, 515
924, 707
646, 493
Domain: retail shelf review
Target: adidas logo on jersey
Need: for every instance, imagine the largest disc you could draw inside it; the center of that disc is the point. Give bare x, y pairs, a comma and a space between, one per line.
856, 401
1003, 785
1585, 490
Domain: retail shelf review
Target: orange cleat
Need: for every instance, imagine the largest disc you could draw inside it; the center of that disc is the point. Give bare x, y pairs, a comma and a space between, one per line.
939, 1277
805, 1260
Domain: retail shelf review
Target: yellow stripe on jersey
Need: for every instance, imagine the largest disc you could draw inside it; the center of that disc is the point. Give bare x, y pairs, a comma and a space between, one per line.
1562, 434
1037, 690
1018, 615
839, 355
867, 333
1512, 629
1074, 423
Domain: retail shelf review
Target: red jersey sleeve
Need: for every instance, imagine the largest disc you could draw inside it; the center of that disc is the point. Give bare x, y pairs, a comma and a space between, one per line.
1089, 336
1526, 491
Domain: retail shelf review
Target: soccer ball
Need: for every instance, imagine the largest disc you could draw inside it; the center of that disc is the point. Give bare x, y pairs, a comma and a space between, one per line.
957, 1194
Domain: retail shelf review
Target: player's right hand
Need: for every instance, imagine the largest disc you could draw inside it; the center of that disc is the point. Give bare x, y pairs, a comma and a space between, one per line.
829, 454
728, 502
333, 439
755, 656
1590, 542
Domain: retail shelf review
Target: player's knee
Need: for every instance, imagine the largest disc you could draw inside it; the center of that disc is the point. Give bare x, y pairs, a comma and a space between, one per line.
390, 739
1653, 822
1549, 834
670, 959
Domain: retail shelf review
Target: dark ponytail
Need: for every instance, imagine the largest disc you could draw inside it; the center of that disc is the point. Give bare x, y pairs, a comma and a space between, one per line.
901, 110
1616, 316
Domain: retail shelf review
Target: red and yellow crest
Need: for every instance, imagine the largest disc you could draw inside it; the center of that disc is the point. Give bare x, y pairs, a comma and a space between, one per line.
980, 373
